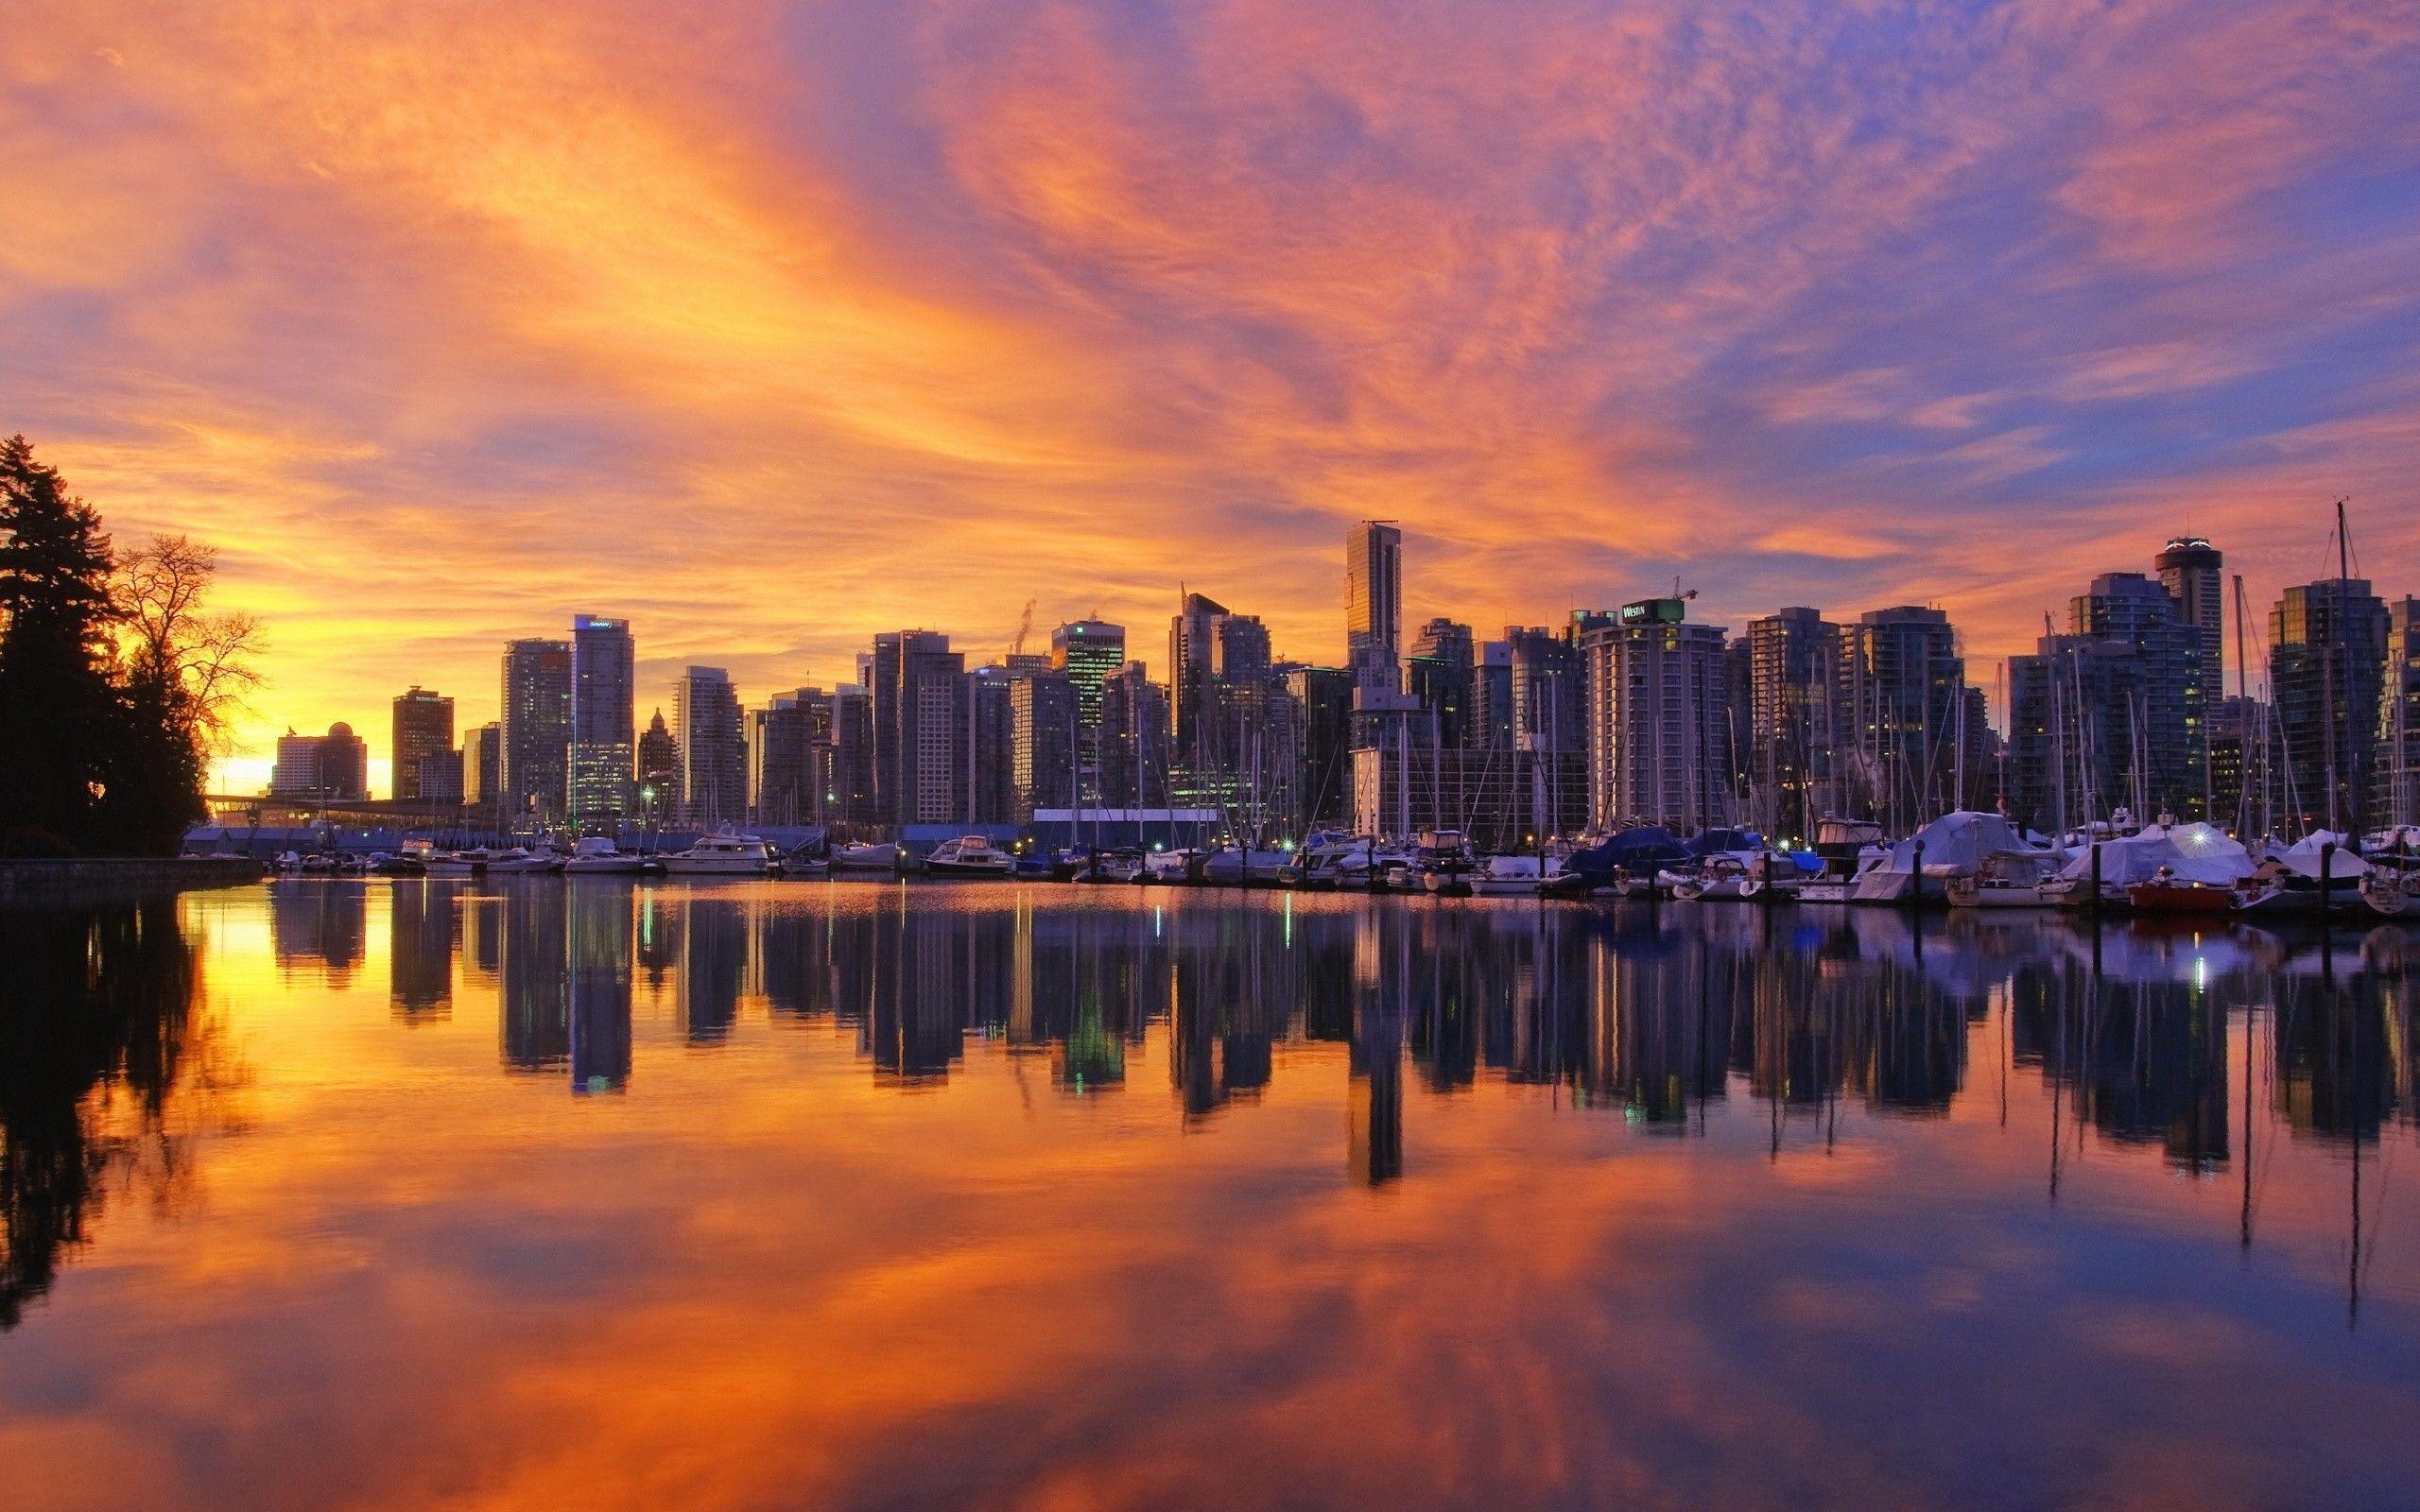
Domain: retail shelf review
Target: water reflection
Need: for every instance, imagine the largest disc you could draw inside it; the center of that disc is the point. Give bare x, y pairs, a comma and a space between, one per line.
98, 1029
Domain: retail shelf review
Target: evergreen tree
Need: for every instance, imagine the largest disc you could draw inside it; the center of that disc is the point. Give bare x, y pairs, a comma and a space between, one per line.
59, 714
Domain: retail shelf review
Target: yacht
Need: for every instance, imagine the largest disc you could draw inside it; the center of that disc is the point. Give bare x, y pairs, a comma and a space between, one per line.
722, 855
1518, 876
970, 857
521, 859
1445, 868
1718, 878
1119, 864
1171, 869
467, 862
597, 856
864, 857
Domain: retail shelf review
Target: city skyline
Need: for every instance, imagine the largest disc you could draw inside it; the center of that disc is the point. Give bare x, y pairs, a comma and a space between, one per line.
922, 313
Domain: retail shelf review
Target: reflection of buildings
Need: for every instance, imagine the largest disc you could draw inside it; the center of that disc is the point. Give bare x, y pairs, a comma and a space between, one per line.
1381, 967
597, 973
2337, 1068
713, 956
321, 923
420, 949
2145, 1061
534, 1001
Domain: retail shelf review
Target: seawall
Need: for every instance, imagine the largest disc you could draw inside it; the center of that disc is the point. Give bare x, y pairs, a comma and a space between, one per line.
95, 878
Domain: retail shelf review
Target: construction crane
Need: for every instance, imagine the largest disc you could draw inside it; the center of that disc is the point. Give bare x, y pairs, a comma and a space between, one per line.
1025, 628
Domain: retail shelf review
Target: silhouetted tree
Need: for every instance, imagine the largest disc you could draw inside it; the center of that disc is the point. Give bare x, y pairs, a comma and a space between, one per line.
59, 714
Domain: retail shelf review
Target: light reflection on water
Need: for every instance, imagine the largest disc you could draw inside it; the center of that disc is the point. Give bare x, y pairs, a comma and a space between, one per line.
872, 1196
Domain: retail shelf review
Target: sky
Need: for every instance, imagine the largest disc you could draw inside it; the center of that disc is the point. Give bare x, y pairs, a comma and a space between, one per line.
771, 326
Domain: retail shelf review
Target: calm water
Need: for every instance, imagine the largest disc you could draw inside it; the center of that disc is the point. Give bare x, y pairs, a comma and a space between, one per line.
773, 1196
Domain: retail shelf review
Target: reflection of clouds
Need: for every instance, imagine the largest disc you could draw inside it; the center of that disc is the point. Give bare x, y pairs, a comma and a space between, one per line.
398, 310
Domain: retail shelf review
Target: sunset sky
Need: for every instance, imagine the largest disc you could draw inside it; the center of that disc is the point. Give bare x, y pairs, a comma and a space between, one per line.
771, 326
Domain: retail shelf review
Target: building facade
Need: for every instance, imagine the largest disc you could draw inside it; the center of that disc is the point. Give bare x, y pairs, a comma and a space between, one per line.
604, 705
424, 727
918, 691
334, 767
1793, 721
535, 769
714, 762
2327, 647
1373, 605
1658, 719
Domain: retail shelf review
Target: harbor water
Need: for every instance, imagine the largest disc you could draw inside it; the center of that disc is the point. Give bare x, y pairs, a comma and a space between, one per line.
547, 1191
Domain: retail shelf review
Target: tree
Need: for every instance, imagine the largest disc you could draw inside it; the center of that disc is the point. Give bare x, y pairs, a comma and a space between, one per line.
58, 710
201, 661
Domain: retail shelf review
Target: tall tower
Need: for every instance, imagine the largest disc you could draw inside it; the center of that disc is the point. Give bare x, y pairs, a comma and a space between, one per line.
1373, 605
1088, 652
603, 703
1658, 718
713, 769
534, 762
2189, 569
423, 728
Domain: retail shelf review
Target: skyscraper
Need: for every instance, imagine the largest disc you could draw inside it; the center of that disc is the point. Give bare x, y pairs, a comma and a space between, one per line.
2189, 569
2327, 647
1373, 605
536, 754
713, 769
1658, 721
1903, 691
1324, 695
1087, 652
1046, 720
1550, 688
919, 727
2398, 764
1793, 670
423, 726
1193, 636
604, 708
483, 764
849, 781
1442, 667
659, 767
785, 738
1134, 740
2155, 744
1490, 723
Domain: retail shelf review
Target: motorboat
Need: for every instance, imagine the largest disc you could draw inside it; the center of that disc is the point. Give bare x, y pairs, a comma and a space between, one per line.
1442, 858
2005, 880
2392, 894
1918, 869
1518, 876
544, 858
1717, 879
1338, 862
465, 862
2315, 875
722, 855
1171, 867
1778, 876
1121, 863
866, 857
970, 855
799, 863
597, 856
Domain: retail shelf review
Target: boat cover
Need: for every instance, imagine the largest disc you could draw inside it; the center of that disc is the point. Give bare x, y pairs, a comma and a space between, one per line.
2196, 852
1963, 840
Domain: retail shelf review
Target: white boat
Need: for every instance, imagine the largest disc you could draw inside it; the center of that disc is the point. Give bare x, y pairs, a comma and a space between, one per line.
863, 858
522, 859
1919, 868
1119, 865
722, 855
799, 866
970, 857
597, 856
466, 863
2195, 853
1171, 867
2006, 881
1717, 879
1516, 876
1233, 867
1445, 864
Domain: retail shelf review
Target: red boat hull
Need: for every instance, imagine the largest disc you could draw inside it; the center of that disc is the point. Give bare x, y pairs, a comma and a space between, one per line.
2177, 898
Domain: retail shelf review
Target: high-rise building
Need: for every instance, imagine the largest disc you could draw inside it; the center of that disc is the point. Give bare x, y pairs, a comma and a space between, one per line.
423, 726
537, 730
604, 701
1903, 691
483, 764
1491, 724
1324, 696
334, 766
1045, 718
1444, 670
1373, 605
2162, 741
1793, 675
2190, 571
1658, 721
1549, 687
659, 770
2075, 729
988, 787
785, 740
714, 762
440, 776
2327, 647
919, 727
849, 781
2399, 762
1193, 638
1087, 653
1134, 726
